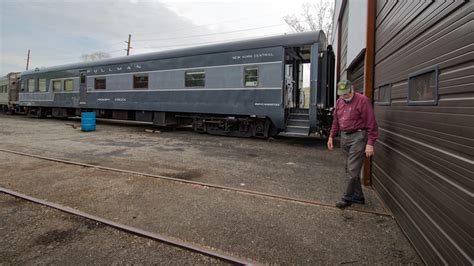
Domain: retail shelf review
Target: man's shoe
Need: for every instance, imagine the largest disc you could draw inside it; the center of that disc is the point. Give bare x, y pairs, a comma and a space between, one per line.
358, 200
343, 204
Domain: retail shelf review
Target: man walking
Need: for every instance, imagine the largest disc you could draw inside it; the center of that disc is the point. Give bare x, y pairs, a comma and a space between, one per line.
354, 118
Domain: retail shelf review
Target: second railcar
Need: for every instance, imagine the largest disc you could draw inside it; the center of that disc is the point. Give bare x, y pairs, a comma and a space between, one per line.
245, 88
9, 90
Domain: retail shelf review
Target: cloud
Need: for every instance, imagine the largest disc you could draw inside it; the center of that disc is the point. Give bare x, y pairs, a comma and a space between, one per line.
59, 32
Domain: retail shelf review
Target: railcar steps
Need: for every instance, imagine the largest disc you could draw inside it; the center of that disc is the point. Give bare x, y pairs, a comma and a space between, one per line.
297, 123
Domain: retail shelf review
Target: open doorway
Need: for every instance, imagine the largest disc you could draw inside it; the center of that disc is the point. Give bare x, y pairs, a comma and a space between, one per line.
297, 77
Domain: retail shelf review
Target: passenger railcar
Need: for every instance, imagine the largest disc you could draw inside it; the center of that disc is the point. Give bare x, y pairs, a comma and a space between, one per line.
244, 88
9, 89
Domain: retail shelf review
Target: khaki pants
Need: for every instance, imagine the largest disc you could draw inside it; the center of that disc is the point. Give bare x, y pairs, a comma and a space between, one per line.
353, 147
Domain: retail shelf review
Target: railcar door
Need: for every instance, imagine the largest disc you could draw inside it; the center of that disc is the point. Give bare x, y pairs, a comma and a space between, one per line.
82, 88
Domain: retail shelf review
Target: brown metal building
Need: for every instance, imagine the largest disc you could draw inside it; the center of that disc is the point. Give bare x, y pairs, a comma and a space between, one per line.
419, 69
424, 102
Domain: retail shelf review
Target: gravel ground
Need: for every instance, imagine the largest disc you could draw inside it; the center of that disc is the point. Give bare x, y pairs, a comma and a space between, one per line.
262, 229
295, 167
36, 234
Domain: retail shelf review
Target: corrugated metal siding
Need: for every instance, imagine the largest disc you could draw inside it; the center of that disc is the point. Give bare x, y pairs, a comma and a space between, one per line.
343, 60
423, 167
355, 72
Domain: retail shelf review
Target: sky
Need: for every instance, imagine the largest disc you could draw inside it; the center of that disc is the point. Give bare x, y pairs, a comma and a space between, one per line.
60, 31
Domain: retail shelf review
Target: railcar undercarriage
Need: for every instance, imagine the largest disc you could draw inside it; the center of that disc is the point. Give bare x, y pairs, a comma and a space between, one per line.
235, 126
242, 126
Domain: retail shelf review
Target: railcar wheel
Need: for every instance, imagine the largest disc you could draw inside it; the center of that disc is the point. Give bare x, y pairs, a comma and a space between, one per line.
264, 128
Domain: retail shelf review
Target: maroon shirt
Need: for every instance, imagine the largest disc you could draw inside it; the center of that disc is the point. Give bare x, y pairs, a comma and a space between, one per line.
357, 114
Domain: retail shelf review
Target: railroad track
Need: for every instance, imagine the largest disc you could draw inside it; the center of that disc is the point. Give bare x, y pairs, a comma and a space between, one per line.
136, 231
240, 190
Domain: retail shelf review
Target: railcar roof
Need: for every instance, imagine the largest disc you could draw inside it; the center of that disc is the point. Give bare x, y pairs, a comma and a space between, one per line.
286, 40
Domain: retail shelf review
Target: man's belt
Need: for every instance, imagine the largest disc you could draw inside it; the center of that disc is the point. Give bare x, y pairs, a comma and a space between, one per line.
348, 132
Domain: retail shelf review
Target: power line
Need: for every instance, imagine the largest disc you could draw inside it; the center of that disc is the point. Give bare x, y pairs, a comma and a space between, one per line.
210, 34
175, 38
192, 27
212, 42
210, 24
177, 45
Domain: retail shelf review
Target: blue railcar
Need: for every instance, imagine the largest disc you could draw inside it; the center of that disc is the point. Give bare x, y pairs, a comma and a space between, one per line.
244, 88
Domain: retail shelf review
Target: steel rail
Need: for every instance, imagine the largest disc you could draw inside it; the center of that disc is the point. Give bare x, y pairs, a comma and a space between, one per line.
245, 191
165, 239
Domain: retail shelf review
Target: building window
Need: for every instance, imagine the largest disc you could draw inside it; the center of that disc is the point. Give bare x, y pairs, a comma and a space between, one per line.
56, 85
423, 87
31, 85
251, 76
68, 85
140, 81
42, 85
195, 79
99, 84
383, 95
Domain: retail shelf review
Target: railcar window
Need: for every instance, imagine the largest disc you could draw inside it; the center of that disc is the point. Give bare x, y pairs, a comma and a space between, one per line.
383, 95
99, 84
69, 85
195, 79
42, 85
22, 86
423, 87
140, 81
251, 76
56, 85
31, 85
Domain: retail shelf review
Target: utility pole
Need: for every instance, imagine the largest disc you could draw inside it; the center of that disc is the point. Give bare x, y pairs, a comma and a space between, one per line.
128, 44
28, 59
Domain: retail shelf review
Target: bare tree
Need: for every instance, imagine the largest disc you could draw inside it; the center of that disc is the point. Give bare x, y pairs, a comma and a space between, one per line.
95, 56
316, 16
